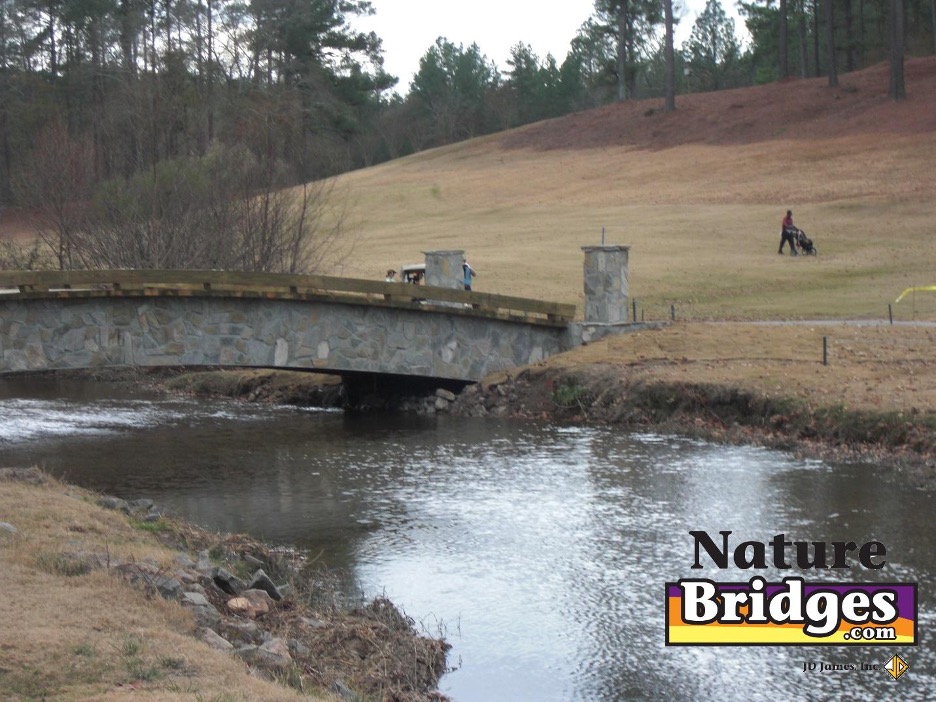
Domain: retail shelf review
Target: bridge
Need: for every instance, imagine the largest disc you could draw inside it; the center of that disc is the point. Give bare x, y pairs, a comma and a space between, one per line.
89, 319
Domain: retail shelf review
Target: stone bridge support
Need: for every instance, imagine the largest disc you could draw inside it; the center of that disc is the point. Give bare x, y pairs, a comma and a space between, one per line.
607, 286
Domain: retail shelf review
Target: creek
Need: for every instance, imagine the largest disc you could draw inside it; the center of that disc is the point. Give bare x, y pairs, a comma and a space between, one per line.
539, 551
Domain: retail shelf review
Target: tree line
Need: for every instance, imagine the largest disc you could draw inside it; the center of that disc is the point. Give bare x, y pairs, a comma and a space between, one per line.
116, 115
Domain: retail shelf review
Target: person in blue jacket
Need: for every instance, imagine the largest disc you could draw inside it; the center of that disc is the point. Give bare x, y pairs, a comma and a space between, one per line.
469, 273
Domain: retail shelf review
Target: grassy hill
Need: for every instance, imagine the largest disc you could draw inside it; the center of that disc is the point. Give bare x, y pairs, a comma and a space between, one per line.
698, 194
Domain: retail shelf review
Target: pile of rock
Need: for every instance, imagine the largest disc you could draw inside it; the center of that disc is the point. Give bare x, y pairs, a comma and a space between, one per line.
526, 393
226, 608
438, 402
274, 633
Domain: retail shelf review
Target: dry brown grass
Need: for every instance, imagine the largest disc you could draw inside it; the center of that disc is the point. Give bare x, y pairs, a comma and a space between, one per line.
699, 205
73, 636
699, 196
881, 369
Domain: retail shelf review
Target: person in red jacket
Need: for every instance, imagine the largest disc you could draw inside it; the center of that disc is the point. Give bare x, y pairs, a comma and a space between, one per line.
788, 233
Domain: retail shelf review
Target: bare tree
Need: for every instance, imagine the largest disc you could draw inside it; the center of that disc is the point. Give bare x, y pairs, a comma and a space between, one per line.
18, 257
58, 185
224, 211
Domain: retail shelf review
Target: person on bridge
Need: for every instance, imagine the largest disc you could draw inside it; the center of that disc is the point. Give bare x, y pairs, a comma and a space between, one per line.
391, 276
469, 273
788, 233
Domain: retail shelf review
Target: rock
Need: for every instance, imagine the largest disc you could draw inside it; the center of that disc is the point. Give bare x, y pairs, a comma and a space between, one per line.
241, 605
227, 581
211, 638
150, 577
190, 581
207, 616
441, 405
312, 623
251, 603
343, 690
240, 631
142, 505
275, 653
248, 653
6, 526
272, 654
252, 561
114, 503
139, 574
204, 562
169, 588
152, 517
298, 649
194, 599
260, 598
261, 581
446, 395
184, 560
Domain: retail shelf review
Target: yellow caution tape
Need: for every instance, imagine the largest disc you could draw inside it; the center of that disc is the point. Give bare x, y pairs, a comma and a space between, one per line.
919, 288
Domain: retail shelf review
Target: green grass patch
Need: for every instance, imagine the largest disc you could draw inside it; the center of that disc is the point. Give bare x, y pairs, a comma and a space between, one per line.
157, 527
67, 564
571, 394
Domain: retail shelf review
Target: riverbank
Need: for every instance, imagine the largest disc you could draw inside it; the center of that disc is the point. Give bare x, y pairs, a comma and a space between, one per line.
105, 598
873, 400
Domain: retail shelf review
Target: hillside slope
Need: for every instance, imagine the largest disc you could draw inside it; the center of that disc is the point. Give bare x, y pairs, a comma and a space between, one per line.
697, 194
792, 109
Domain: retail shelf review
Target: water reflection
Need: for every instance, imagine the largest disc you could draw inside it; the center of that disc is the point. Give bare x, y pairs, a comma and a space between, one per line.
540, 550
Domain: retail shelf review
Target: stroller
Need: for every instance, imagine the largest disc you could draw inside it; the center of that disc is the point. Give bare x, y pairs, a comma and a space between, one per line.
805, 243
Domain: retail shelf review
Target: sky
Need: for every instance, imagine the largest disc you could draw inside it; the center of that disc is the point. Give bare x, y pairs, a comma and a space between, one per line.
409, 27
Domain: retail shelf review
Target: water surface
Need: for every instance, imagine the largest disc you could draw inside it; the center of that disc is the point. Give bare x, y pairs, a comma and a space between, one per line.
540, 551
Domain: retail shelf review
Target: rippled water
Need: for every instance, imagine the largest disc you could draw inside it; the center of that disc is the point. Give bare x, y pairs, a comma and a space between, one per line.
539, 550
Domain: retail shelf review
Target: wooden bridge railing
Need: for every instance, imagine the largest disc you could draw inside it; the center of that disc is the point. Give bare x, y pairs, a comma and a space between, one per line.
143, 283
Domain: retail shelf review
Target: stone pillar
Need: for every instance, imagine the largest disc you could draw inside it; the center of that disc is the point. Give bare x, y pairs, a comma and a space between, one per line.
606, 286
444, 269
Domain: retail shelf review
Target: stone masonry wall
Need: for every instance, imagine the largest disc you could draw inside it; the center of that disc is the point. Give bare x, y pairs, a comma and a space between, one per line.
38, 334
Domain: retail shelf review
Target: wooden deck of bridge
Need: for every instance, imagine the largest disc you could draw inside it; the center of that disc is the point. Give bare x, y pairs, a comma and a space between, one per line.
150, 283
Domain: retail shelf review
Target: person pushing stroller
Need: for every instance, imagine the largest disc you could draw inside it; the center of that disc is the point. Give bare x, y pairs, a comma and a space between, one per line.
788, 233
